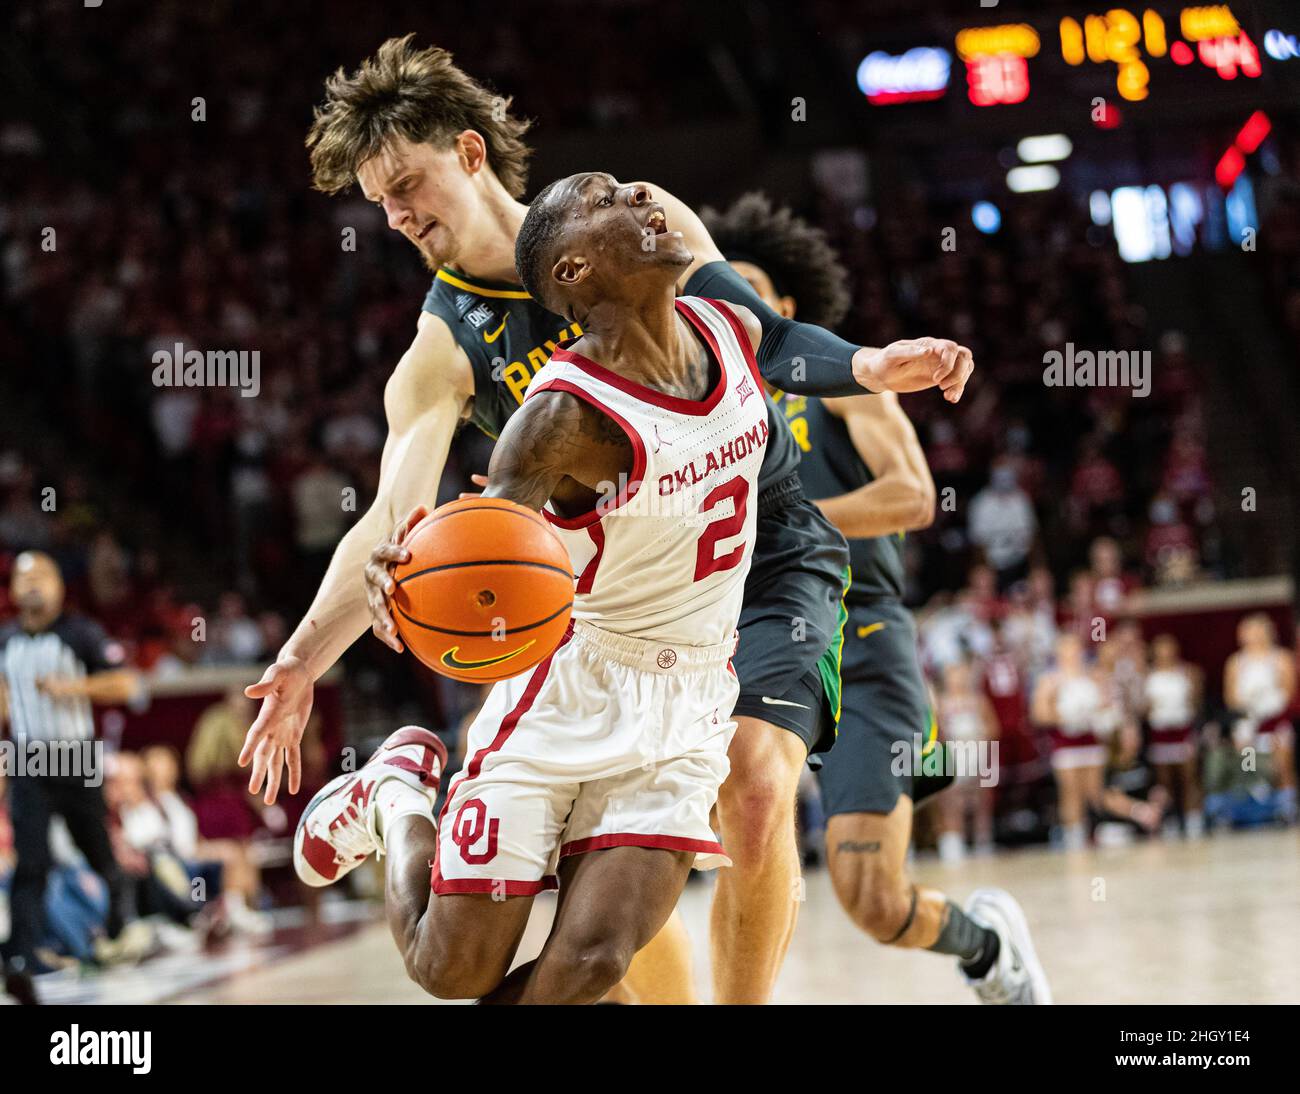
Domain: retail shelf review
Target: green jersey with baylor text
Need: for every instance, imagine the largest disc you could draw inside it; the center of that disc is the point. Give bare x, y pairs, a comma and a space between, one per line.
508, 337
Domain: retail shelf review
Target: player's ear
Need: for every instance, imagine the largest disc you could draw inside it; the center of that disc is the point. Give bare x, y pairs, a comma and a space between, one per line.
471, 150
570, 270
785, 305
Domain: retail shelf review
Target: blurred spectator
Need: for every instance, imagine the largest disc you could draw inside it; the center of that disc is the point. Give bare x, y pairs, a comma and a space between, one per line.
1259, 684
1239, 793
228, 816
968, 722
233, 637
1003, 524
1172, 701
1110, 584
1069, 703
144, 847
1170, 543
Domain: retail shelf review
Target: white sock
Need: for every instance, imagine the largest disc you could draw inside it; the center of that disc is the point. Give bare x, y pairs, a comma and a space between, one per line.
952, 848
395, 798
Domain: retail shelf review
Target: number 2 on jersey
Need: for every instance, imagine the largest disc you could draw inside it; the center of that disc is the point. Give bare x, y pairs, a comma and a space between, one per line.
707, 561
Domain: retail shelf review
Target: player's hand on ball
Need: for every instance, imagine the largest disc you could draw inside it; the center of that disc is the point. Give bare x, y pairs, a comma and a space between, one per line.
379, 578
915, 364
272, 741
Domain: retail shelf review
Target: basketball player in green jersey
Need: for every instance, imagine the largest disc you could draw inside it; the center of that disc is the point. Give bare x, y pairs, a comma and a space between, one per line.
862, 462
446, 162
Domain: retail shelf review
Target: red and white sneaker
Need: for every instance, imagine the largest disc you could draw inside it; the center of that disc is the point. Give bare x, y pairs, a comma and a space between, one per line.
336, 832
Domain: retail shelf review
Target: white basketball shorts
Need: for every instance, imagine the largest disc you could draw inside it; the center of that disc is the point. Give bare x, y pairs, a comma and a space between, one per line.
612, 741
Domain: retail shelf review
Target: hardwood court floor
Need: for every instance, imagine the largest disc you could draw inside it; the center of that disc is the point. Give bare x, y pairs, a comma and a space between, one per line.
1205, 921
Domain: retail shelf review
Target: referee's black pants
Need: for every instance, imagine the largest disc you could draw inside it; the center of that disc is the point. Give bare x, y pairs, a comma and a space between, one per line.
33, 800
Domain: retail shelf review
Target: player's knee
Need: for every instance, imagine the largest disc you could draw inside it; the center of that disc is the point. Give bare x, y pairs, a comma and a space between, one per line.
593, 964
446, 976
756, 803
756, 811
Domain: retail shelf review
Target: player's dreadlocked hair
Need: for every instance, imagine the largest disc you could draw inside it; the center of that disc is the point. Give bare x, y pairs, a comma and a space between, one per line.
794, 254
533, 245
417, 94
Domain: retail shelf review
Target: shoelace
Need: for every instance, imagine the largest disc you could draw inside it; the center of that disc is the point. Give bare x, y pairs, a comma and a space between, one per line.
349, 836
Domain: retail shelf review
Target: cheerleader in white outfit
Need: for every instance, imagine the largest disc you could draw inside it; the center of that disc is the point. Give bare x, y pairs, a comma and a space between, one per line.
1172, 699
1259, 682
966, 720
1074, 705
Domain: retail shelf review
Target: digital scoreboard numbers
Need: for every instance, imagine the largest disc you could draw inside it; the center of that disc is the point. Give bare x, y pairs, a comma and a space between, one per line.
1211, 36
998, 64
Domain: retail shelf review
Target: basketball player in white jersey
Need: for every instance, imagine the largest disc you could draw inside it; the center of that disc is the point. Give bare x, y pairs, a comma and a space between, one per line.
1172, 694
599, 777
602, 773
1259, 682
445, 161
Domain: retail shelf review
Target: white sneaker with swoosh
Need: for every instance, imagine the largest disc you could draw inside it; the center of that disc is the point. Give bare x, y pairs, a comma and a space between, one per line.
1017, 977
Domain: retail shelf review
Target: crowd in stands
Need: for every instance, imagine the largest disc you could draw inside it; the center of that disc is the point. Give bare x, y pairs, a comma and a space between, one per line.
186, 888
1031, 473
186, 832
1128, 730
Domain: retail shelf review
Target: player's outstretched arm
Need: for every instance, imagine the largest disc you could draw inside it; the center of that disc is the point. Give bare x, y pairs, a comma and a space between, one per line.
901, 495
423, 402
805, 359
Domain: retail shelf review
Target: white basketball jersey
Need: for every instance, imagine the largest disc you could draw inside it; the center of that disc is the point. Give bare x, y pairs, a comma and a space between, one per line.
664, 556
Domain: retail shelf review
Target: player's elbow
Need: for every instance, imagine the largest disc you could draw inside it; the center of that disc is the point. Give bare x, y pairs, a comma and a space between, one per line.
924, 501
920, 497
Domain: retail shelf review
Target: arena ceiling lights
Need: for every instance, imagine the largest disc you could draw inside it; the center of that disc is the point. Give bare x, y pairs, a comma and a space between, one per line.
1045, 149
916, 76
1031, 178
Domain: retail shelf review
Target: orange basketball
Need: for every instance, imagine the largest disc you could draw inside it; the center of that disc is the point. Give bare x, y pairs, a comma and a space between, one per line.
488, 590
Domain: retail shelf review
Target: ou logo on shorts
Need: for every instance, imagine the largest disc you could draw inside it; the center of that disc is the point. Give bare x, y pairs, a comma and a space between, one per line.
466, 831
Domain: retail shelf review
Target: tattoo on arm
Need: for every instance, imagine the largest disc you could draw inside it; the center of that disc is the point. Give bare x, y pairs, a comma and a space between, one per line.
552, 436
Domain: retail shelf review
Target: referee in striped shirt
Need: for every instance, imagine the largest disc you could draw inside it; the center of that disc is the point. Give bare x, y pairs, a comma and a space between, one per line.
53, 666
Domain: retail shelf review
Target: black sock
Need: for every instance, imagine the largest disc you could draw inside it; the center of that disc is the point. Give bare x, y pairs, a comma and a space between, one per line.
976, 947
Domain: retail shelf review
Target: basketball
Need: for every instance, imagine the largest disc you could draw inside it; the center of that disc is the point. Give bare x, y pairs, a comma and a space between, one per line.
487, 592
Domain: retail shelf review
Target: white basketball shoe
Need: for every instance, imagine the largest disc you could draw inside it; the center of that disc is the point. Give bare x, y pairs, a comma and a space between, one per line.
1017, 977
336, 832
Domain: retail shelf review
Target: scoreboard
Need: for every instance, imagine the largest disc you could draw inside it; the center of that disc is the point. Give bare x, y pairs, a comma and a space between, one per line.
1113, 58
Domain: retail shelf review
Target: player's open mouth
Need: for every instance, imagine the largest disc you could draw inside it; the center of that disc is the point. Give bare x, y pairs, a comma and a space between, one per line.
426, 229
657, 222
